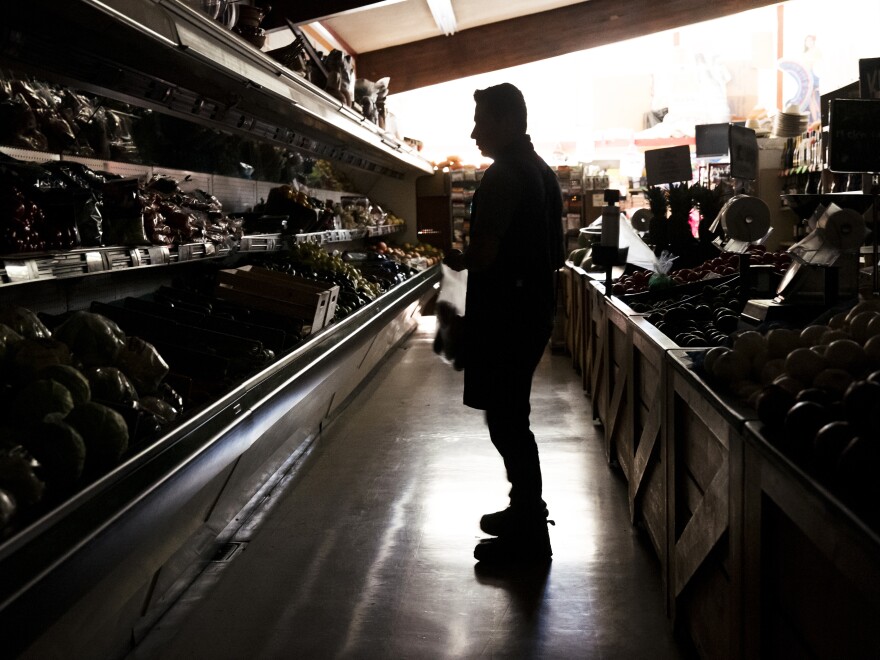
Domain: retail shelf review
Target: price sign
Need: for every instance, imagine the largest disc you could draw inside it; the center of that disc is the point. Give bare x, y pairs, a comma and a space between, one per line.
743, 152
668, 165
869, 78
854, 135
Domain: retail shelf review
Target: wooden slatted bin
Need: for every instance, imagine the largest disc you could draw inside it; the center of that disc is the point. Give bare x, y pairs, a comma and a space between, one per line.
582, 291
643, 449
704, 509
812, 567
595, 299
565, 287
616, 417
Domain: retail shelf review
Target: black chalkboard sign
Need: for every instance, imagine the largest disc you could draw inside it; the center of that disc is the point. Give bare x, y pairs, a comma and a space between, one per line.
668, 165
743, 152
869, 78
854, 135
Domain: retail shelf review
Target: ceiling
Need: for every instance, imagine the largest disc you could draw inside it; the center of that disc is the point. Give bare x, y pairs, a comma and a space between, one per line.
402, 40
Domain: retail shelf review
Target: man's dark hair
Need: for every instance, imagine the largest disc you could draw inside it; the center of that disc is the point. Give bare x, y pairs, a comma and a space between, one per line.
504, 100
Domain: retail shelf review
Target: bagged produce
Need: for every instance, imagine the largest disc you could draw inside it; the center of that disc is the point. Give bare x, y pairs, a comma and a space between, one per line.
449, 341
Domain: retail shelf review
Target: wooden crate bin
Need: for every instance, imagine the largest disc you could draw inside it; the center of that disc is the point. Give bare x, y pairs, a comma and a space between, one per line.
301, 283
595, 299
615, 402
704, 462
812, 568
642, 452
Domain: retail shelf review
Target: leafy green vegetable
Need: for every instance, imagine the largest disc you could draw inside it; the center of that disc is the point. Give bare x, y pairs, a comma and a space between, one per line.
141, 362
41, 398
111, 385
59, 448
18, 476
9, 338
24, 322
104, 432
72, 378
30, 356
92, 338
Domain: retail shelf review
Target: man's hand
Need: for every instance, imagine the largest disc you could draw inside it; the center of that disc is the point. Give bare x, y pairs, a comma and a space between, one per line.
455, 260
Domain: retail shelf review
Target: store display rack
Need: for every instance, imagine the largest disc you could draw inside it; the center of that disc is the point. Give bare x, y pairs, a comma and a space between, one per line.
172, 58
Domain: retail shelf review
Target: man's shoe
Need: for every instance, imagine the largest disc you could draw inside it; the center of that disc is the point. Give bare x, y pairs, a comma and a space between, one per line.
510, 521
508, 550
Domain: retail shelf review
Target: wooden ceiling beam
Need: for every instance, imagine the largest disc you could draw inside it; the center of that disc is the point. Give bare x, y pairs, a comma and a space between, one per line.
536, 37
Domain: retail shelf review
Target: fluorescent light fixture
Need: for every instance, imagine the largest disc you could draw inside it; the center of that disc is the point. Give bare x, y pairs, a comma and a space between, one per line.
444, 17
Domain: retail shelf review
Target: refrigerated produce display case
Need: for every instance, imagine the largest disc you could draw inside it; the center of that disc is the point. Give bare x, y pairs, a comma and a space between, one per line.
90, 570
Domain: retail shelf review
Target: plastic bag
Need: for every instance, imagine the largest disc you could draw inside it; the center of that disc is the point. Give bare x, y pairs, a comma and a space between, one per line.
449, 342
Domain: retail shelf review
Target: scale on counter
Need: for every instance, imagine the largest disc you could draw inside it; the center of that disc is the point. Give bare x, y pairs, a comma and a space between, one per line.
824, 264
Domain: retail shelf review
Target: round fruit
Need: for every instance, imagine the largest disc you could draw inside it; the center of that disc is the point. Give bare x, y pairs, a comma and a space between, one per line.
786, 382
750, 343
804, 364
858, 325
833, 380
771, 370
833, 335
782, 341
731, 367
802, 423
772, 404
846, 354
872, 351
812, 334
828, 445
861, 404
711, 356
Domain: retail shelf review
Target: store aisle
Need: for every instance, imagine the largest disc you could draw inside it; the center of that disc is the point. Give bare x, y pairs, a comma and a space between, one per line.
368, 551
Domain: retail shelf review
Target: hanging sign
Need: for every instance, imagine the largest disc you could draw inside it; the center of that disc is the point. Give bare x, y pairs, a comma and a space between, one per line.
854, 135
743, 152
668, 165
869, 78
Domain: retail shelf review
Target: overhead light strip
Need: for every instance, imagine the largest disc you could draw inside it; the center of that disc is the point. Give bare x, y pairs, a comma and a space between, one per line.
443, 15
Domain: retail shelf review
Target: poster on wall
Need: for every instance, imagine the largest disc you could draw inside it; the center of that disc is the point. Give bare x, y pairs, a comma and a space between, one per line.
668, 165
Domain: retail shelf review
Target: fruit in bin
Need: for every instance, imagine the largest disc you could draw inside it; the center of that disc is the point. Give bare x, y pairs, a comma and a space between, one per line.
812, 334
804, 364
833, 380
782, 341
771, 370
861, 404
802, 422
855, 477
859, 324
772, 405
731, 367
828, 445
789, 383
872, 352
846, 354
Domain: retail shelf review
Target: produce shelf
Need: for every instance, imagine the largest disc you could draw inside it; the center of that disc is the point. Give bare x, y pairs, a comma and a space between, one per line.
172, 58
99, 567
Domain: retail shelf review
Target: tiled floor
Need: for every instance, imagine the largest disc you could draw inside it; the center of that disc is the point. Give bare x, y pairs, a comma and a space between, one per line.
368, 551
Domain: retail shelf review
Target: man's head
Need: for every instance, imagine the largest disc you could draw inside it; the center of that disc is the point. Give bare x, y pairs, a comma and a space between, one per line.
499, 118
